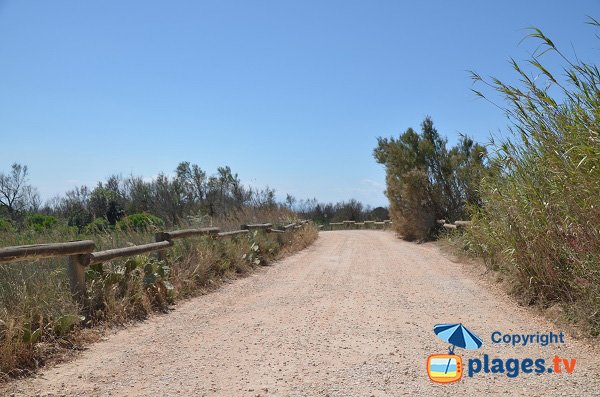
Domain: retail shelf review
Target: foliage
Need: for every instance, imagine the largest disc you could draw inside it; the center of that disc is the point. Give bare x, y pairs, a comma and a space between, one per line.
6, 226
426, 181
324, 213
129, 288
40, 223
540, 221
97, 226
140, 222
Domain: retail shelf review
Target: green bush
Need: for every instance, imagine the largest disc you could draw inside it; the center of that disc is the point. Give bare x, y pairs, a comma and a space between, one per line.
540, 221
40, 222
140, 222
6, 226
98, 225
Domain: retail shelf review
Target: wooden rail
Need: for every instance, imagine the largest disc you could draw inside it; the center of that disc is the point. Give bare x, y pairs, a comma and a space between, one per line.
233, 233
105, 256
186, 233
275, 231
39, 251
385, 224
259, 226
344, 225
456, 225
81, 254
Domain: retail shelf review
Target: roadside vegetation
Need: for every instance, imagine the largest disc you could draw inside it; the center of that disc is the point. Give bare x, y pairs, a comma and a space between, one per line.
39, 319
540, 218
534, 200
427, 181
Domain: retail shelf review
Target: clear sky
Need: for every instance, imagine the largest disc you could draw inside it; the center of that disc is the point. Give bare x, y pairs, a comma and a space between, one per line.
290, 94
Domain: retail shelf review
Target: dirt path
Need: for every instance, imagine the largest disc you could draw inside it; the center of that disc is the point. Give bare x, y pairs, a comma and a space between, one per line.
351, 315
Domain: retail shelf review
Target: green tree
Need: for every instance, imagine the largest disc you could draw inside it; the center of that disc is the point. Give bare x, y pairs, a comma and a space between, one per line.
426, 181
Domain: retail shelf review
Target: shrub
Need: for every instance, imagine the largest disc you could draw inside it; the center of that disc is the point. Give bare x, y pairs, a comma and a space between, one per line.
6, 226
140, 222
98, 225
40, 223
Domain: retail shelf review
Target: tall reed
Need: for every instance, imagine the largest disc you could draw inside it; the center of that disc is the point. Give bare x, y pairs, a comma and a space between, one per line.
540, 219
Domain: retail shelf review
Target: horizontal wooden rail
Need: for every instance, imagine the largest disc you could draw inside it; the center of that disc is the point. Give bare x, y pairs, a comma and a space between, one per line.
233, 233
462, 223
39, 251
208, 231
105, 256
456, 225
80, 253
356, 225
256, 226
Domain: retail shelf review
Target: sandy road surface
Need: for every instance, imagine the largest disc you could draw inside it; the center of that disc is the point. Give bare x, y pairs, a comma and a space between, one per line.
351, 315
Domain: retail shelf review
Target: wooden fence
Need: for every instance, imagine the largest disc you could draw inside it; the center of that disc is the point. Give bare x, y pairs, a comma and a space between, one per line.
80, 254
456, 225
353, 225
348, 225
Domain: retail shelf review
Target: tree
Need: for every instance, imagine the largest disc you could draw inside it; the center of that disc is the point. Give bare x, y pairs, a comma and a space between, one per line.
75, 207
16, 195
426, 181
106, 203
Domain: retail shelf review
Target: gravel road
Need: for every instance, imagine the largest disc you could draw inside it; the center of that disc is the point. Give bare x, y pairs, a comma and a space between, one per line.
352, 315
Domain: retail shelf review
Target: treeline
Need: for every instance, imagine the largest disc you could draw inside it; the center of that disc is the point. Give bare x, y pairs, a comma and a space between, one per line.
352, 210
190, 192
534, 200
188, 196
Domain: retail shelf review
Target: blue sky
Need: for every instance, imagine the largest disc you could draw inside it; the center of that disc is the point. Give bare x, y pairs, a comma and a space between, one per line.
290, 94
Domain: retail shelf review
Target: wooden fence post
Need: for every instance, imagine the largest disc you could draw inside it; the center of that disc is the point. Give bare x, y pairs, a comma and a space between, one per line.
162, 254
76, 270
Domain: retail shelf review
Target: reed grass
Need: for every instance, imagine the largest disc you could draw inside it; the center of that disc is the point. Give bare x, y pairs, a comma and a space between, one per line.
540, 218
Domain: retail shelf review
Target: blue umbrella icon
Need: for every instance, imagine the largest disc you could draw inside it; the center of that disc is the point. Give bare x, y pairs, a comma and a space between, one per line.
457, 335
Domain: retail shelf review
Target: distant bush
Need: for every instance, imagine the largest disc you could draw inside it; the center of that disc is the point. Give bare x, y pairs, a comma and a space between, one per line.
6, 226
98, 225
140, 222
40, 223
